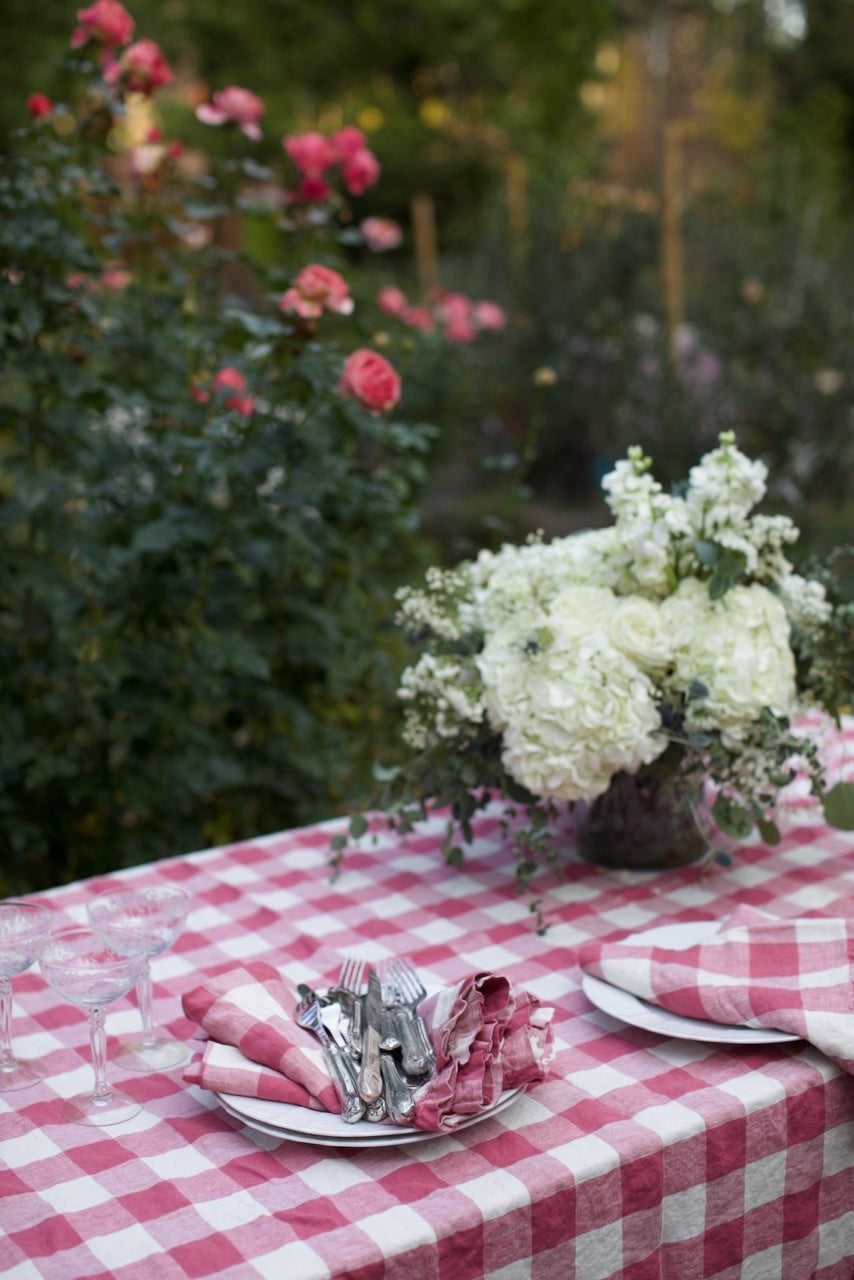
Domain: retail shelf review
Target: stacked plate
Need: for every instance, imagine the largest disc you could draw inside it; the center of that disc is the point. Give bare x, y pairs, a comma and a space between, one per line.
322, 1128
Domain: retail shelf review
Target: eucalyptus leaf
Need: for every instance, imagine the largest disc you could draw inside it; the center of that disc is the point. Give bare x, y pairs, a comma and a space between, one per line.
838, 806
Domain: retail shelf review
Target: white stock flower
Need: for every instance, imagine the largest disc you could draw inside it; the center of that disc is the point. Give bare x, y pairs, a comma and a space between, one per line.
723, 488
572, 712
738, 647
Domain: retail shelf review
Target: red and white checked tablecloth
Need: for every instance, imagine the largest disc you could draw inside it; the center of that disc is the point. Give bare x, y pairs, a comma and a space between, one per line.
638, 1158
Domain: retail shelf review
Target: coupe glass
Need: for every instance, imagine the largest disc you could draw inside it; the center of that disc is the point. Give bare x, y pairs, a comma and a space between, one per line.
24, 929
78, 965
151, 916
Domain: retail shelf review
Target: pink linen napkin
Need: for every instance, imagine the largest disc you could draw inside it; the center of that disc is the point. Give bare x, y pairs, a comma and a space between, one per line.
792, 975
251, 1010
486, 1038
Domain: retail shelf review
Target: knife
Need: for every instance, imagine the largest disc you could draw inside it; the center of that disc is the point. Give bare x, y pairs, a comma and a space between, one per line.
370, 1081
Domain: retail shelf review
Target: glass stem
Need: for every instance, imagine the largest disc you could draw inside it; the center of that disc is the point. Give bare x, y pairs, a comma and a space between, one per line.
98, 1042
7, 1058
146, 1006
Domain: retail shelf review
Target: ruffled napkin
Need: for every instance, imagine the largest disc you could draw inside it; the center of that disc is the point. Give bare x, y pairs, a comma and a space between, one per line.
758, 970
486, 1038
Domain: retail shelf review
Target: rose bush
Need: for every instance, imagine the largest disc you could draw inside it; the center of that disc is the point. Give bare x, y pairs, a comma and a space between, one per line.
202, 515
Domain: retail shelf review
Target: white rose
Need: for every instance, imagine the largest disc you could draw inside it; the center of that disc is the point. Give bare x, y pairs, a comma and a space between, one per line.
578, 610
638, 630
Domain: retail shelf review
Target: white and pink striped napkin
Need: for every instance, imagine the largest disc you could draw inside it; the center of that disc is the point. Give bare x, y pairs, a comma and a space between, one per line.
756, 970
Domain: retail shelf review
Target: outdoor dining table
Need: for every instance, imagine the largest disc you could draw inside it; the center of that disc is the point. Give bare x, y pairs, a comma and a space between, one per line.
640, 1156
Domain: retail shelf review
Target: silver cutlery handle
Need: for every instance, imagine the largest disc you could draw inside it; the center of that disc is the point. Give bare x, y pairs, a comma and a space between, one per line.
337, 1064
401, 1104
415, 1060
370, 1083
377, 1110
356, 1031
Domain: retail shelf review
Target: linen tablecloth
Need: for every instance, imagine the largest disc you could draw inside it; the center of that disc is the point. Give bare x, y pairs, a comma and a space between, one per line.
638, 1158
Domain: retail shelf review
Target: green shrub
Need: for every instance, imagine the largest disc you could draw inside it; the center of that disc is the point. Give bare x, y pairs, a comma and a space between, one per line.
195, 583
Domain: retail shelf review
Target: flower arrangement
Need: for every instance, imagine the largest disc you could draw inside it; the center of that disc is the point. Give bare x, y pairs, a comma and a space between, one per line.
679, 638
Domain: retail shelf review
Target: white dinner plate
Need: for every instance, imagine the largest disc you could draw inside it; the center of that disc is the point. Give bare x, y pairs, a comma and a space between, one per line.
640, 1013
325, 1129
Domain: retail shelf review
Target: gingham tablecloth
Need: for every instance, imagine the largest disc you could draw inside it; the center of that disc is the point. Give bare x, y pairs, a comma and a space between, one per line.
638, 1158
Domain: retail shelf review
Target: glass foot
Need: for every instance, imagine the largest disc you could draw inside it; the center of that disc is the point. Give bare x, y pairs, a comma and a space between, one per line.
85, 1109
20, 1075
160, 1055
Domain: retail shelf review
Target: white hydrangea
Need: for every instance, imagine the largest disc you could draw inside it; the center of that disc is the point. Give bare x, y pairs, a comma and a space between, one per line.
518, 582
805, 602
738, 647
572, 711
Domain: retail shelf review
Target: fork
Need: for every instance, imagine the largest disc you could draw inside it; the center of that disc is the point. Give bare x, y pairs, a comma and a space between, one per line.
336, 1060
403, 990
350, 989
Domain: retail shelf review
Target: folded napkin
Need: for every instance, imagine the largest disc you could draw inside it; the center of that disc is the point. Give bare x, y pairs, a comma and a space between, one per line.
486, 1038
792, 975
256, 1048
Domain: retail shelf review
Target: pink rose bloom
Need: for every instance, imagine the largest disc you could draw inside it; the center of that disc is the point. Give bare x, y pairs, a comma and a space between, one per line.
200, 395
488, 315
317, 287
419, 318
229, 379
38, 105
392, 301
311, 152
141, 68
348, 141
360, 171
455, 311
241, 404
115, 277
381, 234
233, 106
311, 190
106, 22
369, 378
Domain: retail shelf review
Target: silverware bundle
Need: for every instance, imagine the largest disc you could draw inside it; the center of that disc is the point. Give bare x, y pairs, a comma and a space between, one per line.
374, 1043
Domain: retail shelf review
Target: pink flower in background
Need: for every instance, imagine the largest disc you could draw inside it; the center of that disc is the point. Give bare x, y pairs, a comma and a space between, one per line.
381, 234
233, 105
311, 152
115, 277
419, 318
38, 105
392, 301
141, 68
229, 379
455, 312
348, 141
106, 22
360, 171
488, 315
317, 287
311, 190
369, 378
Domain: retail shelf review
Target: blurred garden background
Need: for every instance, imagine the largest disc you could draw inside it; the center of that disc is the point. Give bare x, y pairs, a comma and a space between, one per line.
642, 213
